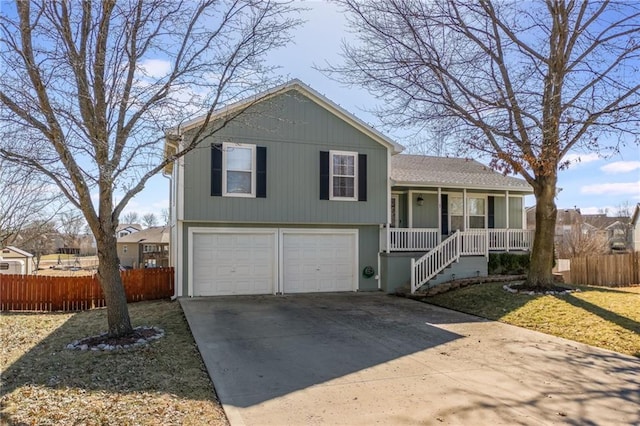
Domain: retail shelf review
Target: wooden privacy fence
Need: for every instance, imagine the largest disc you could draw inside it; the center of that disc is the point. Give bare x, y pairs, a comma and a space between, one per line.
611, 270
39, 293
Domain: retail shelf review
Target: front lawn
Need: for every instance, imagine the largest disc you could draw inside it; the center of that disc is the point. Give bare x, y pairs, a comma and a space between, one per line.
603, 317
43, 383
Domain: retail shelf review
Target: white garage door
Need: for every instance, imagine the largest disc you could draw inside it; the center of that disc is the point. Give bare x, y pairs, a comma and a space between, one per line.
227, 263
318, 262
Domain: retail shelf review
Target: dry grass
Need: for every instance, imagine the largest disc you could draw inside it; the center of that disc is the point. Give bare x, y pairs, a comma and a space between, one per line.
163, 383
66, 273
603, 317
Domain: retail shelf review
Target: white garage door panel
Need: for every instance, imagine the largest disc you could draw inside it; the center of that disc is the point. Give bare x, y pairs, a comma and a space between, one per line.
233, 263
318, 262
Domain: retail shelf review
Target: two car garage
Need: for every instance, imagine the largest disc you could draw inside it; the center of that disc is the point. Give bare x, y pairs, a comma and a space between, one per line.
244, 261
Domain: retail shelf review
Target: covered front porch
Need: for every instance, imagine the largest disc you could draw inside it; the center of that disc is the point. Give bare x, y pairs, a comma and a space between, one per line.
487, 220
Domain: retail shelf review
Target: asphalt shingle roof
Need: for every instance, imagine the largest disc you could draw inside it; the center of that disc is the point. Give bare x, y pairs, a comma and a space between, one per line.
153, 235
450, 172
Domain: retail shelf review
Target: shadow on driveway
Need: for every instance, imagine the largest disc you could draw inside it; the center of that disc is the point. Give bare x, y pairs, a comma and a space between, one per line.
261, 347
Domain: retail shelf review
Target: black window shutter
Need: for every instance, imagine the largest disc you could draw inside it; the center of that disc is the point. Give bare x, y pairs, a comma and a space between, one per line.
324, 175
491, 211
444, 202
362, 177
261, 172
216, 169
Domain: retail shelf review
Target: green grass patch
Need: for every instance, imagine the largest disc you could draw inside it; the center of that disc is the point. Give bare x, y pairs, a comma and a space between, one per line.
607, 318
162, 383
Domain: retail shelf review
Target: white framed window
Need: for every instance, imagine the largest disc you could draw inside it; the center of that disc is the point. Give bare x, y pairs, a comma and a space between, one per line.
456, 212
238, 170
476, 208
343, 175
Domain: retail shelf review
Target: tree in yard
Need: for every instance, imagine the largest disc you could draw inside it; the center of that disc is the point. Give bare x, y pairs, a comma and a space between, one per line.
89, 88
130, 217
165, 216
523, 83
26, 201
149, 220
71, 223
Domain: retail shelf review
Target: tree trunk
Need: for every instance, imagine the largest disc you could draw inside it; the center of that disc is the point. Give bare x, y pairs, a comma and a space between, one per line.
540, 269
111, 283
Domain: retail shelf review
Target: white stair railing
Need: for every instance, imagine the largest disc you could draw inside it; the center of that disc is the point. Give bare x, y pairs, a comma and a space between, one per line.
428, 266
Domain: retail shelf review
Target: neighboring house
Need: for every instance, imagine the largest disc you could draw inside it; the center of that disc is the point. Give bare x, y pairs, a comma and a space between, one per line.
148, 248
15, 261
615, 230
578, 234
295, 194
635, 229
124, 229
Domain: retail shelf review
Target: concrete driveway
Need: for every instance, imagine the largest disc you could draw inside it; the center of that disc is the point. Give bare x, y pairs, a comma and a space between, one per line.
377, 359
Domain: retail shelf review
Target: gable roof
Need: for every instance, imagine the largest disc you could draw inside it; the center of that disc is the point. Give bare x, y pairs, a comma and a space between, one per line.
126, 226
17, 251
306, 91
449, 172
152, 235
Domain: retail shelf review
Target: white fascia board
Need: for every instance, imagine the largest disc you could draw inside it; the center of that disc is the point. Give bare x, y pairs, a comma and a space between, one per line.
461, 186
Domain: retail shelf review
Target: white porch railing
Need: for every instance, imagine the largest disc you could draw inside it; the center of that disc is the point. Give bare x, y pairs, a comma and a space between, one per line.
413, 239
428, 266
510, 239
474, 241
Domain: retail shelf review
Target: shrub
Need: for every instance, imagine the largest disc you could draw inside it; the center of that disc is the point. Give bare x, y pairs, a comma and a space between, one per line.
508, 263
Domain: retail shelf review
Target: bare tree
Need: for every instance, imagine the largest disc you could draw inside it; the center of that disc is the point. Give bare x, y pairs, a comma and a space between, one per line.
39, 238
149, 220
521, 82
165, 216
131, 217
582, 240
88, 89
26, 200
71, 223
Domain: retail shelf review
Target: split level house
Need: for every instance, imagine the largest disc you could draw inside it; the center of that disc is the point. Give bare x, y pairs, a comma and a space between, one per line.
145, 248
294, 194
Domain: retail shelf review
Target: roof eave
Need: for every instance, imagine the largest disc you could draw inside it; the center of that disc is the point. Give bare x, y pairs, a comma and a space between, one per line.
528, 190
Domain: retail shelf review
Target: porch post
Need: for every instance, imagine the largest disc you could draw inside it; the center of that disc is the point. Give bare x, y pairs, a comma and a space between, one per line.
439, 215
506, 237
465, 218
506, 203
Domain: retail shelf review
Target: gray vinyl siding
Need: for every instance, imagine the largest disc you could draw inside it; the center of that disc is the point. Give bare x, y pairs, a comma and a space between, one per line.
515, 212
294, 130
368, 248
426, 215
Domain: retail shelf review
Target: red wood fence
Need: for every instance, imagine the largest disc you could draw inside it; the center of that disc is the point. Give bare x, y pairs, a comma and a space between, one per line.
40, 293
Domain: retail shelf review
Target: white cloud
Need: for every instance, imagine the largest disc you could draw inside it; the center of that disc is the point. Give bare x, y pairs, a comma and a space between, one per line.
621, 167
620, 188
155, 68
581, 158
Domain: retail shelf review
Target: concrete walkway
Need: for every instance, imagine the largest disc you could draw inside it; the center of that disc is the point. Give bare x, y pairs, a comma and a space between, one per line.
376, 359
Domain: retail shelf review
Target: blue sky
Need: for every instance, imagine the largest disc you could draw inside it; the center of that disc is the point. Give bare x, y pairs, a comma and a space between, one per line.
592, 184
